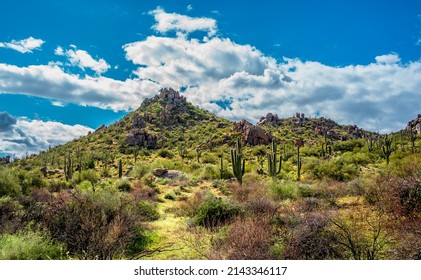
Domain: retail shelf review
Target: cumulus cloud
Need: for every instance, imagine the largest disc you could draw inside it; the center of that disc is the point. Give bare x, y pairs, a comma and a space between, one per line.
6, 122
180, 23
212, 70
32, 136
381, 96
23, 46
391, 58
83, 59
50, 81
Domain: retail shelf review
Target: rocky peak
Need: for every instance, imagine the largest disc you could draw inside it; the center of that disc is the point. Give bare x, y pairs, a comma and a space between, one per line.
415, 124
270, 119
252, 134
171, 96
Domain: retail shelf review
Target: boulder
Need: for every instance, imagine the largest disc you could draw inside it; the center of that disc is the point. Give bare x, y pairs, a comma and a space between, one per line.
252, 134
270, 119
159, 171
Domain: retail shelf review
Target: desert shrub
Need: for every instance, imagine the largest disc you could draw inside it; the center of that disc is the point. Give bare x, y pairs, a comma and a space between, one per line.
147, 211
214, 212
11, 213
284, 189
210, 171
334, 168
93, 224
170, 196
29, 245
312, 240
56, 185
140, 170
360, 237
141, 192
164, 153
306, 190
88, 175
348, 145
208, 158
262, 207
123, 184
249, 239
9, 183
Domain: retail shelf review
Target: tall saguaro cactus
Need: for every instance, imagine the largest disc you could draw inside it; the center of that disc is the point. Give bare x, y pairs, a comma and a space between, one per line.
273, 169
238, 163
299, 143
120, 169
387, 148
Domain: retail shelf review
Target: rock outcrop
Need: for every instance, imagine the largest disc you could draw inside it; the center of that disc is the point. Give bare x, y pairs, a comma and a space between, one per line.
140, 137
270, 119
252, 134
415, 124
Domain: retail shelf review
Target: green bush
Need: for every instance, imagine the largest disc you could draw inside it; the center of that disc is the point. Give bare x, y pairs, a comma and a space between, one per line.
210, 171
29, 246
11, 214
86, 175
94, 224
140, 170
284, 189
147, 211
9, 183
164, 153
123, 185
214, 212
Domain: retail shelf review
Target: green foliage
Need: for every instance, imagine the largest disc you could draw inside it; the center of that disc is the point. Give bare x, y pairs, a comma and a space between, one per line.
209, 171
9, 183
123, 184
214, 212
335, 168
86, 175
140, 170
170, 196
93, 223
284, 189
29, 245
147, 211
164, 153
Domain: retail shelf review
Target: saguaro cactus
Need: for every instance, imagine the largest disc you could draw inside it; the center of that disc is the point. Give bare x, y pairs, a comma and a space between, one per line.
120, 169
387, 148
238, 163
273, 169
299, 143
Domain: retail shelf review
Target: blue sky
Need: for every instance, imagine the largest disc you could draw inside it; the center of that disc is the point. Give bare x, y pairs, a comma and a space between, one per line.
66, 67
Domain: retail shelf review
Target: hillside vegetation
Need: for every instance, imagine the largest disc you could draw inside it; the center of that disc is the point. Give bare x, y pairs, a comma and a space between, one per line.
172, 181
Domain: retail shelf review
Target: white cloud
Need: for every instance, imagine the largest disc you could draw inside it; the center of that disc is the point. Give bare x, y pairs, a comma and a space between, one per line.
32, 136
23, 46
391, 58
180, 23
189, 7
379, 96
83, 60
50, 81
57, 103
